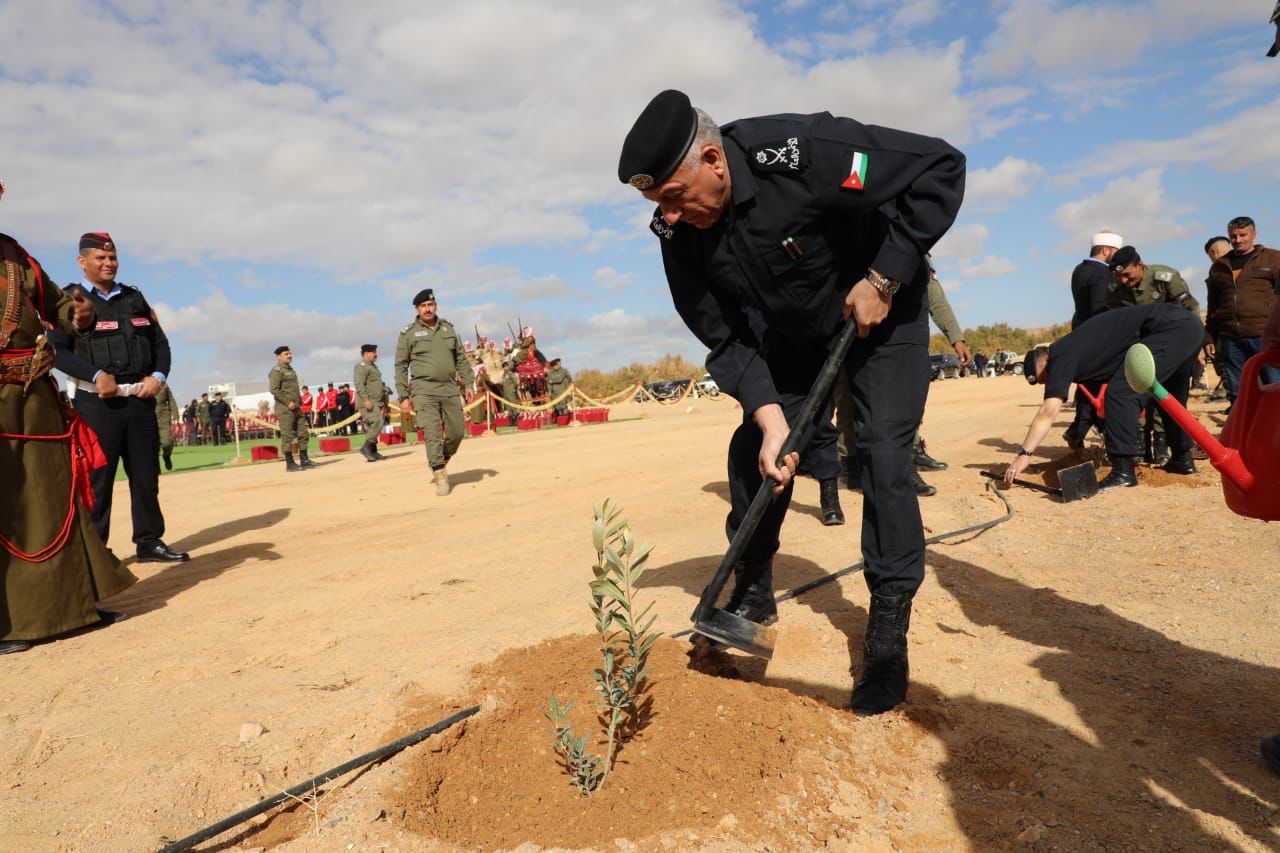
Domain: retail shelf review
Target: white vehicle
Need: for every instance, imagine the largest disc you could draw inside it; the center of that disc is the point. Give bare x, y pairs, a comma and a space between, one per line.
707, 385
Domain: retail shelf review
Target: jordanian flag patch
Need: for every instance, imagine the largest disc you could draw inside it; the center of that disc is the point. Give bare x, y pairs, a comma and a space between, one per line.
857, 172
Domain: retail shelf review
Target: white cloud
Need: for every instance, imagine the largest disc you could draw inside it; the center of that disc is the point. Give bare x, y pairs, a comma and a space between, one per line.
608, 278
1009, 179
546, 287
962, 241
1048, 36
989, 267
1133, 206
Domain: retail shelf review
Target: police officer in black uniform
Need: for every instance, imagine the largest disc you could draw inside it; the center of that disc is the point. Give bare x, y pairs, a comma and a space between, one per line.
126, 346
807, 218
1095, 352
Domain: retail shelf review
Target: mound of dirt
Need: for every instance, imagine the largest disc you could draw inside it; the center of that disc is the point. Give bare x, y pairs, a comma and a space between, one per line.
718, 757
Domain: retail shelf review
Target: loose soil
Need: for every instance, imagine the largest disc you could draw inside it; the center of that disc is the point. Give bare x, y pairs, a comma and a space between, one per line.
1084, 677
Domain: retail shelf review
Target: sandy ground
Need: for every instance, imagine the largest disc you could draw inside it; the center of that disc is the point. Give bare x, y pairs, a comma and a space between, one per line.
1085, 676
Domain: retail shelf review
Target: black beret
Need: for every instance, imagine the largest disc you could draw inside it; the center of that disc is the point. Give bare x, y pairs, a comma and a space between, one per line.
554, 361
658, 140
1124, 256
281, 349
1029, 364
425, 295
97, 240
364, 348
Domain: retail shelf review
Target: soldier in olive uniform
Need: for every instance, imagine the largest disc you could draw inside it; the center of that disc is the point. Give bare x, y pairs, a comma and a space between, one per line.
203, 418
511, 389
293, 424
166, 415
371, 397
430, 361
1144, 284
558, 380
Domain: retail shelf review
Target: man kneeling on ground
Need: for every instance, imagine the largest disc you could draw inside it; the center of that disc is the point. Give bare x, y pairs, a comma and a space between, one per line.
1095, 351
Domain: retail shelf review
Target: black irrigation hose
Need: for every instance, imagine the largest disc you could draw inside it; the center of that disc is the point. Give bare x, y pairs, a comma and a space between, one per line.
311, 784
932, 540
392, 748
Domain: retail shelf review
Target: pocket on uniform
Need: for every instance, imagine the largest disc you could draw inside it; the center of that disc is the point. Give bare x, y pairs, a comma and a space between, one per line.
808, 300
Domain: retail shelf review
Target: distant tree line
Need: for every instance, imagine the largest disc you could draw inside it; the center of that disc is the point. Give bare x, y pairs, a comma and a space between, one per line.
1001, 336
986, 338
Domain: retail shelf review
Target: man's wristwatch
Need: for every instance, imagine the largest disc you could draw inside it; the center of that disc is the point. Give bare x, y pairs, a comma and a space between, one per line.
1022, 451
885, 285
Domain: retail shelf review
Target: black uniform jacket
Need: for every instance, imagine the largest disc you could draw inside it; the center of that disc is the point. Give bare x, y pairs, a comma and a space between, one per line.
1091, 283
844, 196
126, 340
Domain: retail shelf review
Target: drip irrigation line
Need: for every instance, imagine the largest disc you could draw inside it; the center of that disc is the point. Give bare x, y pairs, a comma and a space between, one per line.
309, 786
796, 591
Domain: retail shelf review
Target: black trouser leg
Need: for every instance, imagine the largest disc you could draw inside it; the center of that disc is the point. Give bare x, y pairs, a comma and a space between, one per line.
98, 414
821, 452
142, 440
1086, 415
890, 381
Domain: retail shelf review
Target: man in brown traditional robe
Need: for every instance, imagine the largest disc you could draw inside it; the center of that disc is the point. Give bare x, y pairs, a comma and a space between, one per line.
53, 566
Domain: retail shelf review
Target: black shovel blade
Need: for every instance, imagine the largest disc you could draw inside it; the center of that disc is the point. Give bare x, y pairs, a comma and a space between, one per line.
743, 634
1078, 482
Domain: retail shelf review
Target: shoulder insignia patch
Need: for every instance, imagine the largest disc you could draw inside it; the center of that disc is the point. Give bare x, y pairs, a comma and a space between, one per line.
1164, 275
857, 179
660, 227
785, 155
406, 328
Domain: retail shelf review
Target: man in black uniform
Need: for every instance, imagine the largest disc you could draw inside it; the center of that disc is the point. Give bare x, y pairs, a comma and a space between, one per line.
806, 218
219, 412
126, 346
1091, 284
1095, 353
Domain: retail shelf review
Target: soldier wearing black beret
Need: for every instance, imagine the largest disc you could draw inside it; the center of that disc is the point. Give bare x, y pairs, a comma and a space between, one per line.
371, 397
807, 219
125, 349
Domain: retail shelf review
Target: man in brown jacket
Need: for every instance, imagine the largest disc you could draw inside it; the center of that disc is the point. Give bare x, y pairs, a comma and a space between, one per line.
1242, 289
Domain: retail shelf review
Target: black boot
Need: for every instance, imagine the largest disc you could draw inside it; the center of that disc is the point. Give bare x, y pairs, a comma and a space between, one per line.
829, 491
1181, 464
922, 488
1160, 449
883, 684
289, 464
853, 473
168, 459
923, 461
304, 461
1121, 476
1073, 439
752, 597
368, 452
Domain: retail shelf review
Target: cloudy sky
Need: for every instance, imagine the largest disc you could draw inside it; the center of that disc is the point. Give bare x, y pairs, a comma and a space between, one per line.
293, 172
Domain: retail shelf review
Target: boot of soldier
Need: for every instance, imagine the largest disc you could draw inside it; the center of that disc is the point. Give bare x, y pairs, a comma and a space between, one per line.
442, 482
168, 459
1182, 463
1160, 449
304, 462
923, 461
883, 683
922, 488
829, 492
1073, 439
289, 464
752, 597
853, 473
1121, 476
368, 452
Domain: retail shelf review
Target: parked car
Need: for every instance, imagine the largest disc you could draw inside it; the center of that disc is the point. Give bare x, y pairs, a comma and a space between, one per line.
945, 365
1007, 361
708, 386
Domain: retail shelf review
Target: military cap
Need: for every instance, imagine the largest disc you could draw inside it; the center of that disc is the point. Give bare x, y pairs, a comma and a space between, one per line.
658, 140
364, 348
1125, 256
1029, 364
424, 295
97, 240
554, 361
281, 349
